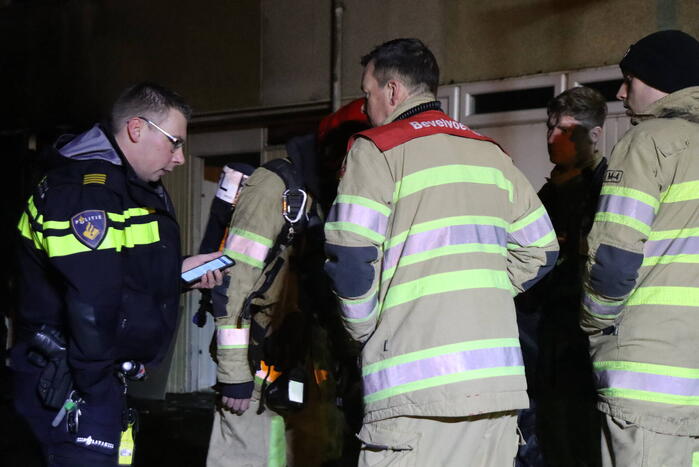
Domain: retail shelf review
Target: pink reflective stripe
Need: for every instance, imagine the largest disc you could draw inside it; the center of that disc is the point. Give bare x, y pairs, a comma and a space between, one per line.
232, 337
531, 233
627, 207
247, 247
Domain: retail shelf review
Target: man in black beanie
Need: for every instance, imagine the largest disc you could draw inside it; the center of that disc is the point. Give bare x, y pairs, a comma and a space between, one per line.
641, 286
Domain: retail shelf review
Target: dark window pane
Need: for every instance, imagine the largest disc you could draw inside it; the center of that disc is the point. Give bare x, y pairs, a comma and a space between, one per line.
506, 101
607, 88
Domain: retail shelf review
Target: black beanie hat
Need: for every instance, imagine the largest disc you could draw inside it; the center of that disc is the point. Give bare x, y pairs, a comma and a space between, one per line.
665, 60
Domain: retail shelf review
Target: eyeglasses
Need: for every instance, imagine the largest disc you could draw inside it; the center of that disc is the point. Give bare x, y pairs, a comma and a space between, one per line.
177, 143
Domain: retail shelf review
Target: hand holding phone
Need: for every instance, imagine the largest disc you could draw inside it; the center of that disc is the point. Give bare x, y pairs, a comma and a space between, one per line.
193, 275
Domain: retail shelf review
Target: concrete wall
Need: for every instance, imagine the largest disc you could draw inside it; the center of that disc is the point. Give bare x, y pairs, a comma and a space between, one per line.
472, 40
63, 61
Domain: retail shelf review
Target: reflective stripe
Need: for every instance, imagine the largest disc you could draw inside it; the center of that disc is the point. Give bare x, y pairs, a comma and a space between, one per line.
27, 232
674, 246
677, 192
277, 442
357, 229
247, 247
128, 237
446, 282
447, 174
627, 207
650, 396
648, 377
665, 295
670, 259
359, 310
129, 214
230, 337
444, 251
358, 214
623, 220
598, 308
533, 230
444, 236
366, 202
445, 222
695, 459
442, 365
631, 193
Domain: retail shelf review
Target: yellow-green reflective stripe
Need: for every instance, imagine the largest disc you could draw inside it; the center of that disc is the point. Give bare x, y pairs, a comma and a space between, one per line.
649, 396
252, 236
445, 379
670, 259
652, 368
32, 207
457, 173
436, 351
677, 192
695, 459
244, 258
357, 229
362, 201
665, 295
446, 282
445, 222
444, 251
623, 220
27, 232
57, 225
631, 193
138, 234
277, 443
673, 234
129, 213
532, 217
543, 241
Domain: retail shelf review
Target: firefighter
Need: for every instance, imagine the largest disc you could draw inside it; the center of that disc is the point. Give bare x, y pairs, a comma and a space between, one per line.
432, 233
640, 305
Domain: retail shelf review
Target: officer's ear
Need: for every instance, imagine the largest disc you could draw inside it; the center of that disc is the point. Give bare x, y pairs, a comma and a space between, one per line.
133, 129
397, 92
595, 134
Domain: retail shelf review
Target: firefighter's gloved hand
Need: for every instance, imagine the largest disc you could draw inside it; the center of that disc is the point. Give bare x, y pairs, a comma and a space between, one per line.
236, 397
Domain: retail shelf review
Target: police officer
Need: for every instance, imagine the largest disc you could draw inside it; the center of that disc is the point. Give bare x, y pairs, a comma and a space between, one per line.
99, 275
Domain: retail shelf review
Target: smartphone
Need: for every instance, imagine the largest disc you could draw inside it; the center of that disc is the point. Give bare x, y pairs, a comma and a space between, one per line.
193, 275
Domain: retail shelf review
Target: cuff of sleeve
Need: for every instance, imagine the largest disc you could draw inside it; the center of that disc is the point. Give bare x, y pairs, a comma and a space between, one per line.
237, 390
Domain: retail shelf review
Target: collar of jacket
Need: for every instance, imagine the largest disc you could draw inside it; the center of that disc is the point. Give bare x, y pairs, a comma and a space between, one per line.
682, 104
587, 168
408, 104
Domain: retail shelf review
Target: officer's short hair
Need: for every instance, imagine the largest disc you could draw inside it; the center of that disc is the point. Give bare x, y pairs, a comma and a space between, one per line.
408, 60
148, 100
584, 104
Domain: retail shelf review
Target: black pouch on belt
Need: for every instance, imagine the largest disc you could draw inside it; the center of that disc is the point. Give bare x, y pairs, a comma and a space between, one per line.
47, 349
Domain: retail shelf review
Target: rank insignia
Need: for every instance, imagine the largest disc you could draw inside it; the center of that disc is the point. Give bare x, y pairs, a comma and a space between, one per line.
90, 227
94, 178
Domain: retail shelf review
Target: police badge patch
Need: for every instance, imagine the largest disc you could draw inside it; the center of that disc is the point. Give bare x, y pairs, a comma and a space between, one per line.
90, 227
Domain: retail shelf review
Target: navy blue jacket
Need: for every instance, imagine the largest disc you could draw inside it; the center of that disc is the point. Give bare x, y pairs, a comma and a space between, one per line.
100, 260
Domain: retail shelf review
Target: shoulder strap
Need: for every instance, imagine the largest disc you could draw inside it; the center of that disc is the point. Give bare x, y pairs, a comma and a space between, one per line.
294, 200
